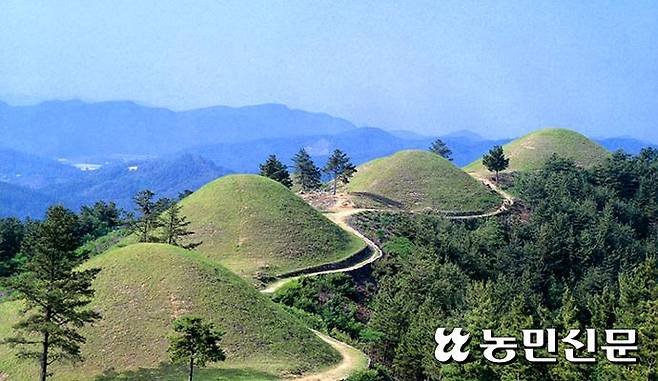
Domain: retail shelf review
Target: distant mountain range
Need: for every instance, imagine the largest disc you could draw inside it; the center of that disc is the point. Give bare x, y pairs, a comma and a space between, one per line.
362, 144
77, 129
627, 144
18, 201
33, 171
119, 182
139, 147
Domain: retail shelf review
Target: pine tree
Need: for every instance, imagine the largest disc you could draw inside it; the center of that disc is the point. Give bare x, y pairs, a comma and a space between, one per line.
638, 309
307, 174
54, 292
183, 194
12, 231
495, 160
175, 226
100, 218
275, 170
441, 149
148, 220
567, 319
340, 167
196, 342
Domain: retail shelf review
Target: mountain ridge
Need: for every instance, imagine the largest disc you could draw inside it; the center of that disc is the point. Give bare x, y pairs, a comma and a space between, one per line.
75, 128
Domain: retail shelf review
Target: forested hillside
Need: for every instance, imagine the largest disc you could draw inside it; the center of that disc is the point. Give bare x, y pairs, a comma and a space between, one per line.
578, 252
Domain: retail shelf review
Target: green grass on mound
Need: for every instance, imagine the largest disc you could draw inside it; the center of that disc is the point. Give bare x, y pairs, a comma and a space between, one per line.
420, 180
531, 151
254, 225
142, 288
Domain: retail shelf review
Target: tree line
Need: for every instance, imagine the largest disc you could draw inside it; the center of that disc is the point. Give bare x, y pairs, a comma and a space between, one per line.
308, 175
339, 166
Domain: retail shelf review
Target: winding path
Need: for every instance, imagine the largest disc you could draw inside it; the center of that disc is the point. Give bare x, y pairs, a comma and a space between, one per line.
341, 218
508, 201
353, 359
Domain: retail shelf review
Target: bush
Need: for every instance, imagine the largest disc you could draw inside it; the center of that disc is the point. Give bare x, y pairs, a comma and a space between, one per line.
375, 374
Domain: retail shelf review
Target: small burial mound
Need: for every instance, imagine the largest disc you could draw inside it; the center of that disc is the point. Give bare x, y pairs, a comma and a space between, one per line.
417, 180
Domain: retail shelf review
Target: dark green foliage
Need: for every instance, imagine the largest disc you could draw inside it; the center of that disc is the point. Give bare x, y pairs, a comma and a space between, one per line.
441, 149
175, 226
54, 292
374, 374
148, 220
638, 308
195, 342
12, 231
583, 255
340, 167
306, 173
333, 297
495, 160
94, 221
276, 170
149, 210
99, 219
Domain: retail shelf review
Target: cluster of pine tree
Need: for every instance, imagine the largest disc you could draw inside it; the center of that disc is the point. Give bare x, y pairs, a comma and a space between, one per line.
160, 220
93, 221
306, 174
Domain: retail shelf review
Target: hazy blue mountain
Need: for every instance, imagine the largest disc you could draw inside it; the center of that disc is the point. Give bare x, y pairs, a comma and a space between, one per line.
169, 151
362, 144
33, 171
73, 129
628, 144
19, 201
465, 150
465, 134
118, 183
409, 135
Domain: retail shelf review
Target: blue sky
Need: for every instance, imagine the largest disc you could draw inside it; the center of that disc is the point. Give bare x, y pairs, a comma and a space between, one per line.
496, 68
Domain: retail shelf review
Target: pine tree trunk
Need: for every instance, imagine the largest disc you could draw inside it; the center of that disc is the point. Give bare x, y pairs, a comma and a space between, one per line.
44, 357
335, 184
496, 177
191, 369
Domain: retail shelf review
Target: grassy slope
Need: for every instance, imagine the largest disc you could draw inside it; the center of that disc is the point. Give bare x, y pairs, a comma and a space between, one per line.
252, 224
530, 151
421, 179
143, 287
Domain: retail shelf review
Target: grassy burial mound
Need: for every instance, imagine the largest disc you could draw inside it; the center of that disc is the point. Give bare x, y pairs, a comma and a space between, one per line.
418, 180
142, 288
531, 151
258, 228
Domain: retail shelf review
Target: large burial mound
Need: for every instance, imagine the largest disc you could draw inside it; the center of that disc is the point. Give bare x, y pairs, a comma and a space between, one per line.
258, 228
531, 151
142, 288
419, 180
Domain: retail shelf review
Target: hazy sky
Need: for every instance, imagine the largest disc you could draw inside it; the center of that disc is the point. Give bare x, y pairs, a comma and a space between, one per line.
498, 69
